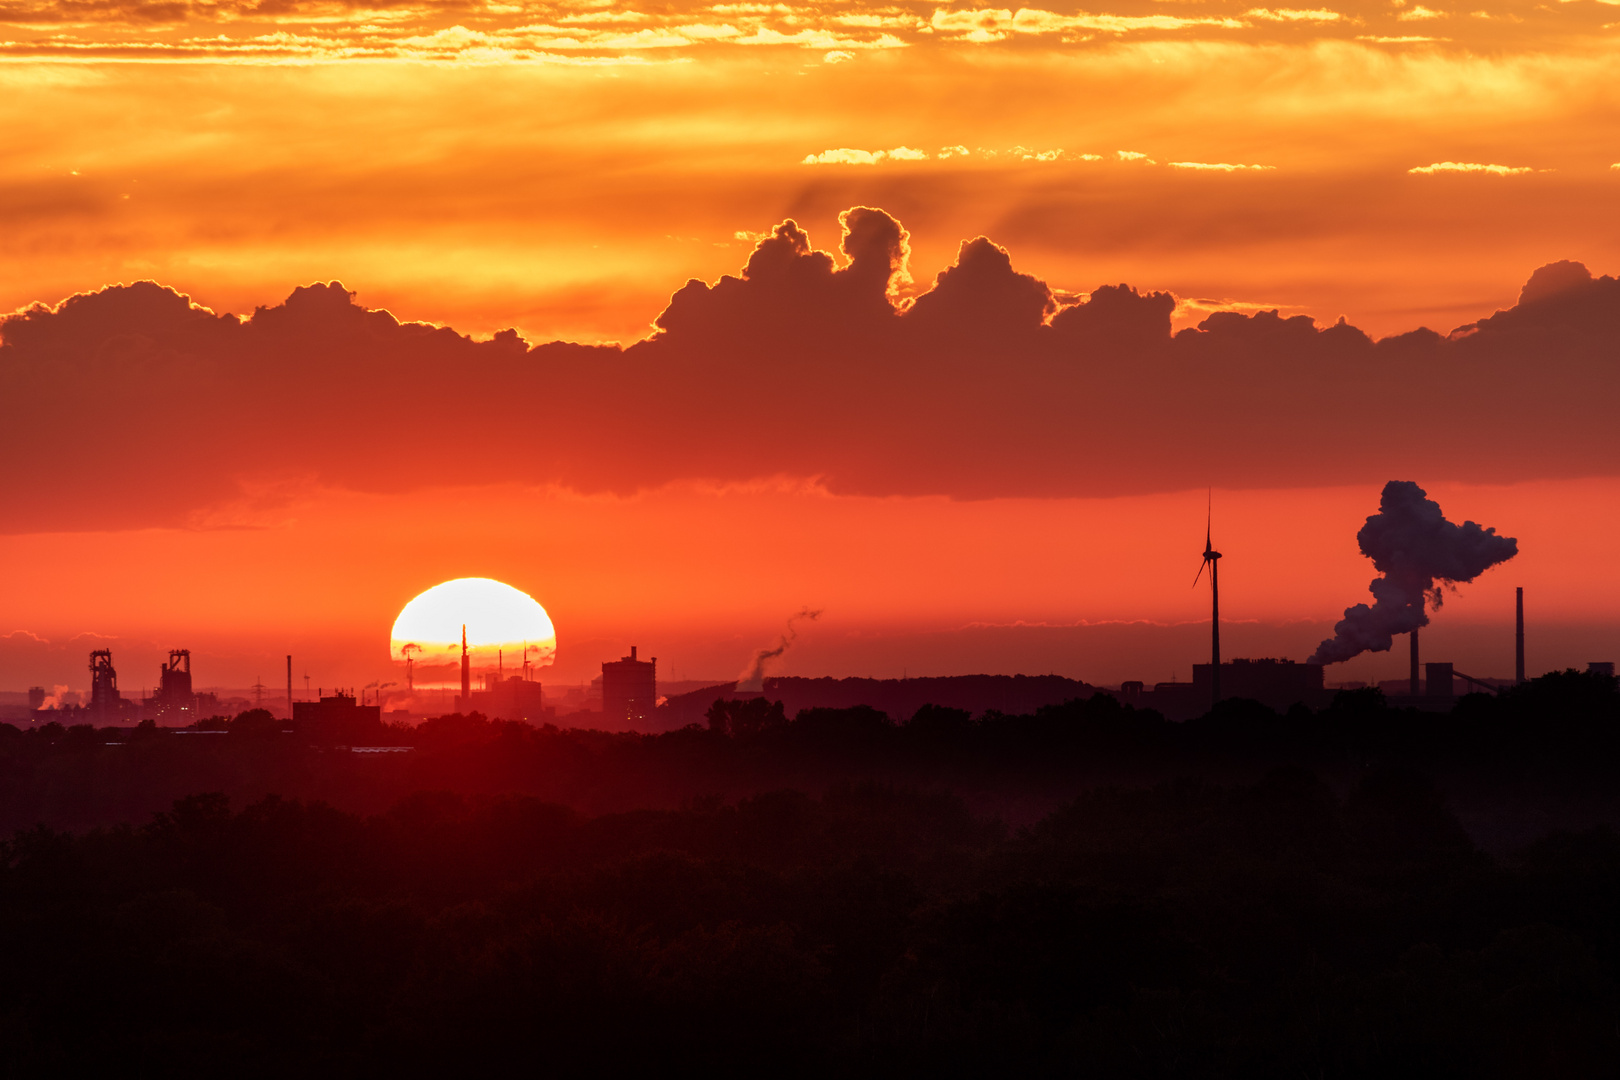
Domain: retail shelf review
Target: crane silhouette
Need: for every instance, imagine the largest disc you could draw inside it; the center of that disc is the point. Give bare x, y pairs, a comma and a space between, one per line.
1212, 561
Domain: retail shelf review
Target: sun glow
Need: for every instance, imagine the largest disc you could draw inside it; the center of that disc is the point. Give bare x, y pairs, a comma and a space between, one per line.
503, 625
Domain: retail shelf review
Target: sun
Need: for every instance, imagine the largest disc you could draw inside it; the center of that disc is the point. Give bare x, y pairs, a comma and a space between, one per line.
503, 625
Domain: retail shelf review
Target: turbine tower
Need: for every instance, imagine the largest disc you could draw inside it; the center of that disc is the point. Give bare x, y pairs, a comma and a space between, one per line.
1211, 560
405, 650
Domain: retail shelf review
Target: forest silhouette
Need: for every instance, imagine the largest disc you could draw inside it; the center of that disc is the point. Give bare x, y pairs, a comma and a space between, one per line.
1089, 889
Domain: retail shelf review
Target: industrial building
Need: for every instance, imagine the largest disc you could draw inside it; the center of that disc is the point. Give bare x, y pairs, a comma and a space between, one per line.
176, 704
508, 697
1277, 683
339, 719
107, 705
629, 689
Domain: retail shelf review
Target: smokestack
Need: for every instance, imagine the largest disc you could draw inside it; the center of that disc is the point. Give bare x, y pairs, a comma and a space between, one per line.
289, 685
466, 671
1414, 689
1518, 639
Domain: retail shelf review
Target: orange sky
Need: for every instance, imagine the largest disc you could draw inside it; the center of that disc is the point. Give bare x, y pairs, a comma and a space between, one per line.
563, 169
925, 586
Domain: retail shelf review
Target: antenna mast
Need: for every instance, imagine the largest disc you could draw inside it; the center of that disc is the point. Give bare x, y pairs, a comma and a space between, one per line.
466, 672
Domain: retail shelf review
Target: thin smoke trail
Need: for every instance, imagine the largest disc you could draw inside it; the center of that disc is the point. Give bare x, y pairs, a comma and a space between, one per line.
752, 680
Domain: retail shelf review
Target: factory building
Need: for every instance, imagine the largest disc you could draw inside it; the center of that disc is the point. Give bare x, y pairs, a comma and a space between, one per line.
107, 705
509, 697
338, 719
1277, 683
629, 689
176, 704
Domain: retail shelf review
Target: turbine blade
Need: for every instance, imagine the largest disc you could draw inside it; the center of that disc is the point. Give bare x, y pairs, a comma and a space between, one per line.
1200, 572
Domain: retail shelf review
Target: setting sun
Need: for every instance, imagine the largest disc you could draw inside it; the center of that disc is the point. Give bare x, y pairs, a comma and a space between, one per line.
500, 621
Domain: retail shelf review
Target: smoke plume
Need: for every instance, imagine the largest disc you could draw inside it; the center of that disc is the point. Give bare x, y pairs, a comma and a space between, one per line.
1412, 547
752, 680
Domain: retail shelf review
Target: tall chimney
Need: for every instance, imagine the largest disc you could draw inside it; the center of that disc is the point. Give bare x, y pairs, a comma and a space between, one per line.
289, 685
466, 672
1518, 640
1415, 688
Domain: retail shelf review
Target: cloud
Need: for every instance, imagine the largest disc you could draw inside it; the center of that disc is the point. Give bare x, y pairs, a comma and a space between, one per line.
1219, 166
806, 363
1294, 15
847, 156
304, 31
1470, 167
995, 24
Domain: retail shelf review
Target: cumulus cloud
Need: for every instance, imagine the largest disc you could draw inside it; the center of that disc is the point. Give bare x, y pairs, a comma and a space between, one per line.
804, 363
1470, 167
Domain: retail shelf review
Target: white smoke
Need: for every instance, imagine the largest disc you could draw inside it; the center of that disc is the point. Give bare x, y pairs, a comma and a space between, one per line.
1412, 547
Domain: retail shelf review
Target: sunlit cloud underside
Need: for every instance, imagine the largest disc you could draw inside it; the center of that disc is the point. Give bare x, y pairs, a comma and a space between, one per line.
591, 33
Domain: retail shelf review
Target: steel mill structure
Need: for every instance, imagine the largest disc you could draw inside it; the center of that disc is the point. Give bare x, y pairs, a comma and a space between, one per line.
629, 689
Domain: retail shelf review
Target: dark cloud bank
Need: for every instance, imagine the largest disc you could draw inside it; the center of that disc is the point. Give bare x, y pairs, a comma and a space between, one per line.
131, 407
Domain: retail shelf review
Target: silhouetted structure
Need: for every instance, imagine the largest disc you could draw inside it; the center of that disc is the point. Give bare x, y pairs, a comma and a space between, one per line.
1277, 683
1438, 681
1212, 560
174, 703
629, 688
1518, 638
510, 698
1601, 667
338, 719
1415, 684
36, 698
106, 703
464, 702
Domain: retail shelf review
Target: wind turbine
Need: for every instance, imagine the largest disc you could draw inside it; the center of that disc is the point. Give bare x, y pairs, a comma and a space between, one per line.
1212, 561
405, 650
